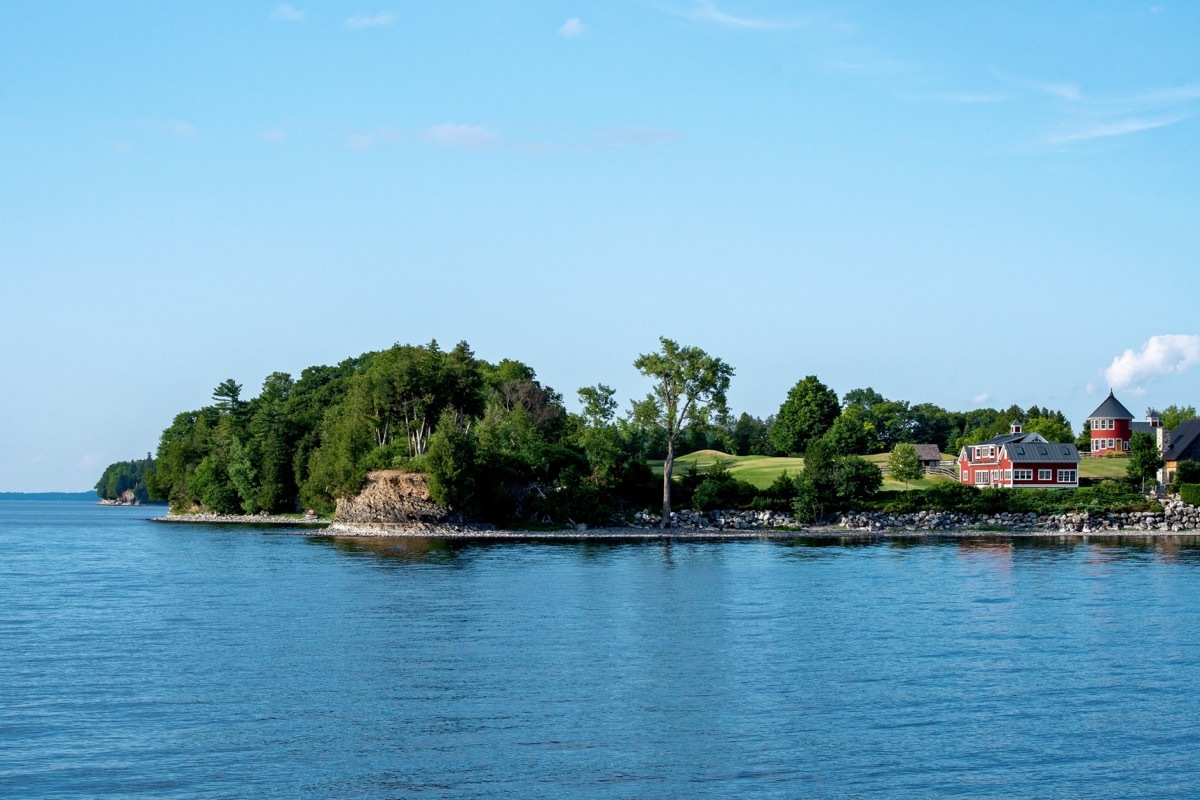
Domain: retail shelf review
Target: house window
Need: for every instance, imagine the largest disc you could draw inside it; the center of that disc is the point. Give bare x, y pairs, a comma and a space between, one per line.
1008, 475
1044, 474
1022, 474
1066, 476
995, 475
981, 477
1125, 446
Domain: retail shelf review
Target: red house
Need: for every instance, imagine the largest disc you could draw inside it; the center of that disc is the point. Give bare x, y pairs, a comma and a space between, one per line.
1113, 427
1019, 460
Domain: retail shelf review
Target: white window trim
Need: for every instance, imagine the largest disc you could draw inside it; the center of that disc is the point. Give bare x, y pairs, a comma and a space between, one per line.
1045, 474
1022, 474
1067, 476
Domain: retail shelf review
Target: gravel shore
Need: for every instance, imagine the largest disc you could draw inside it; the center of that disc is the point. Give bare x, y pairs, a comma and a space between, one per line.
317, 527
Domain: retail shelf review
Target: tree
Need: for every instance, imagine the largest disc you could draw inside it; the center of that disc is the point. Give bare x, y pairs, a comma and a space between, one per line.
856, 479
228, 395
848, 434
809, 411
904, 464
1172, 415
1144, 459
1051, 429
1084, 442
689, 385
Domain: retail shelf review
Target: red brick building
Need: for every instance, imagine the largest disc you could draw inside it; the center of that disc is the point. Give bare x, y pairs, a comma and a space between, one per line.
1019, 460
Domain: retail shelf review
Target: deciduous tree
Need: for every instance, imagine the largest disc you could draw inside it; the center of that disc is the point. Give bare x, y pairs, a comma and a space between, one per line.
904, 464
809, 411
689, 385
1144, 459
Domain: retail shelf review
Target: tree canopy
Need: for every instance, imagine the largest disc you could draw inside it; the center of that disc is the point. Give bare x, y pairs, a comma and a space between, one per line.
689, 386
808, 412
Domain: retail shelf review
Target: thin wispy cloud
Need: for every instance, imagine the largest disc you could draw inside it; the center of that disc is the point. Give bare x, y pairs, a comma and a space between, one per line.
707, 11
273, 135
981, 398
369, 140
361, 21
882, 66
571, 28
627, 137
287, 13
176, 128
1166, 354
1103, 130
966, 98
464, 137
1087, 116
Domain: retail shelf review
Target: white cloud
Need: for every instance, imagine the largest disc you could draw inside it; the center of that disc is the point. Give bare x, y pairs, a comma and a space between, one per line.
571, 28
707, 11
1160, 355
287, 13
981, 398
360, 21
1105, 129
273, 134
467, 137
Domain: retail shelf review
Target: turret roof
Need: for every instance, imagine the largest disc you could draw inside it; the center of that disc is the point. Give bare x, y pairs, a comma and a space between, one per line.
1111, 408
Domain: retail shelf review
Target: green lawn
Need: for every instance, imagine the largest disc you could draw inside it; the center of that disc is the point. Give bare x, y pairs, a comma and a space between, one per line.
1103, 467
761, 471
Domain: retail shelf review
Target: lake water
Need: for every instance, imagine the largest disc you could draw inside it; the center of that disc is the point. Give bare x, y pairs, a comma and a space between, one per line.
151, 661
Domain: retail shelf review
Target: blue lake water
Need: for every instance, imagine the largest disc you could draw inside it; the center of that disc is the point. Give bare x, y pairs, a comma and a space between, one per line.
150, 661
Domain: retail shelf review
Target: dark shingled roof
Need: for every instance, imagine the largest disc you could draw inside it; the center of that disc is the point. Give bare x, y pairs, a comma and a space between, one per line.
928, 452
1111, 408
1183, 441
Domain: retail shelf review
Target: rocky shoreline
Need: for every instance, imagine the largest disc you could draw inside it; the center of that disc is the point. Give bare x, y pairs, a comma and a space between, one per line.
242, 519
836, 532
396, 504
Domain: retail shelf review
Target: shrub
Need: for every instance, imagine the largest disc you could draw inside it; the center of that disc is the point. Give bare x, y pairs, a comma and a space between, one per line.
1190, 493
1186, 471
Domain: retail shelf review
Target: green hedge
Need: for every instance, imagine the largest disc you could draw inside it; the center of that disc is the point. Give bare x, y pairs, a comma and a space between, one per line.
1190, 493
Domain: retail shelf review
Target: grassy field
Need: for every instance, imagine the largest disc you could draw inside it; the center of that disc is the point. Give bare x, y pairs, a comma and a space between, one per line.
760, 471
1103, 467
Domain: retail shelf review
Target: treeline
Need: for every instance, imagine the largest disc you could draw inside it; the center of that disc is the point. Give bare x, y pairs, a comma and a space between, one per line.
864, 422
496, 442
492, 438
126, 476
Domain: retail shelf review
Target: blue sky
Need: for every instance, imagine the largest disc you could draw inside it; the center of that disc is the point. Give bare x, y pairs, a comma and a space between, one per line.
961, 203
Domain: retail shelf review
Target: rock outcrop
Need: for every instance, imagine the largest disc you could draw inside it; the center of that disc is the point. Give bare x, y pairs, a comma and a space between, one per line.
396, 500
126, 498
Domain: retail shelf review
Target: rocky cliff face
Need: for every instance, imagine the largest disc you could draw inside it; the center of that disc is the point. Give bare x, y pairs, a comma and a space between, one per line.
127, 498
395, 499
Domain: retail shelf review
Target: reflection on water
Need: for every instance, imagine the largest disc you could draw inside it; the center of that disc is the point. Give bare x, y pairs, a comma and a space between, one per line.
148, 661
